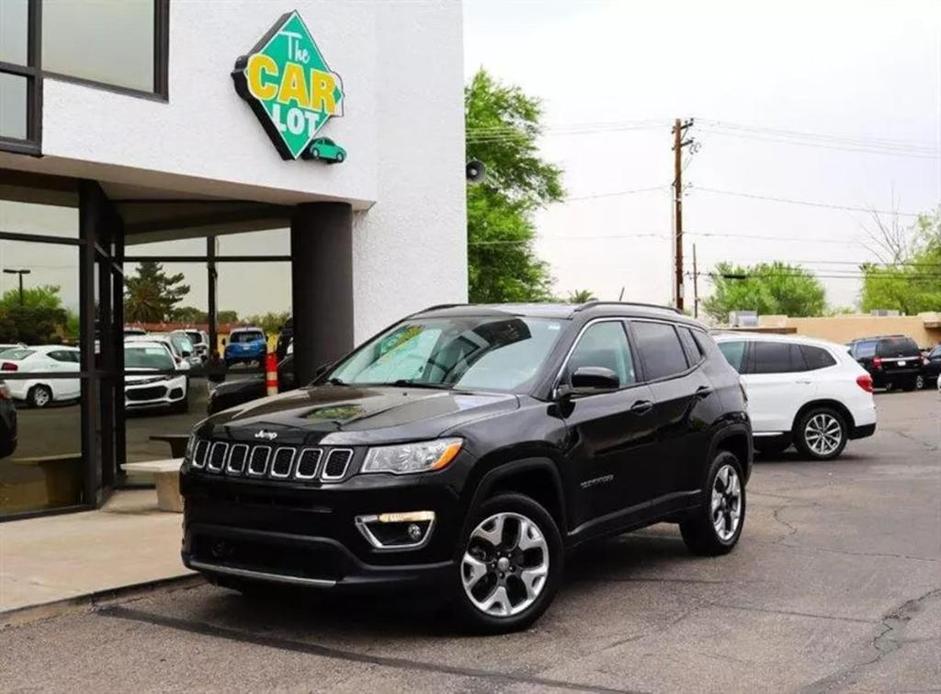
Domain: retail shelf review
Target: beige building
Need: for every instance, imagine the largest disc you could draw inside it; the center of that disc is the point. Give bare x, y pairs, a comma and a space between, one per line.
925, 328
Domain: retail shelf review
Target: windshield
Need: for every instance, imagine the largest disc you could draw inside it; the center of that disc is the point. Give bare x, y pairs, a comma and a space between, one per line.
194, 336
247, 337
182, 343
469, 352
147, 358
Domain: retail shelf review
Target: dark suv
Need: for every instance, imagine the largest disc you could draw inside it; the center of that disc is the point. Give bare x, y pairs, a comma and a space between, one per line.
466, 449
891, 360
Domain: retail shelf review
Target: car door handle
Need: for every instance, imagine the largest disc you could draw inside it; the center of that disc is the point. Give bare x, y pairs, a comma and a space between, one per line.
642, 407
703, 391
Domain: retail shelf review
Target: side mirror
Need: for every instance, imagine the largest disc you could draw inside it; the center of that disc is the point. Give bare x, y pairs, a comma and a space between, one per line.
591, 379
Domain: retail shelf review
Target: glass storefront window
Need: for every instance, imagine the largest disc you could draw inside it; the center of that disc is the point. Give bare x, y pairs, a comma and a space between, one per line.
40, 219
14, 31
257, 243
123, 34
14, 95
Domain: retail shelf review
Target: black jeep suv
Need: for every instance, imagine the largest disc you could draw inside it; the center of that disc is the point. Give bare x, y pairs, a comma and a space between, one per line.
466, 449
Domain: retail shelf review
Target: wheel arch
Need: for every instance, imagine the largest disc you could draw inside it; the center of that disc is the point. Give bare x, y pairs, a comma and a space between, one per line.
738, 441
535, 477
824, 402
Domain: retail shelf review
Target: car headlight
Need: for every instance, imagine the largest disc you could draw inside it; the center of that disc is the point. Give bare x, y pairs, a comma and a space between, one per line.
406, 458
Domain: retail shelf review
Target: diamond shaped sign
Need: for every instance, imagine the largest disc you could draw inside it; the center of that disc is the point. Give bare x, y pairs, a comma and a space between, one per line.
292, 90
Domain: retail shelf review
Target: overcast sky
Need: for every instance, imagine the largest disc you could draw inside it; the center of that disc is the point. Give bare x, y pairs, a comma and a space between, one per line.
865, 74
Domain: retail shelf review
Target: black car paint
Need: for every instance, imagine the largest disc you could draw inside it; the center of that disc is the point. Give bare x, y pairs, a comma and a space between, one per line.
890, 372
230, 394
598, 467
8, 426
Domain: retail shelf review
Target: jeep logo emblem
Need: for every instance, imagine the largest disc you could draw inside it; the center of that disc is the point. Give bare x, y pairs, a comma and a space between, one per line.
267, 435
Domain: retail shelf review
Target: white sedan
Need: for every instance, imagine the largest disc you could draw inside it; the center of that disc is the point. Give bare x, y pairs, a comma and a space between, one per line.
47, 359
144, 387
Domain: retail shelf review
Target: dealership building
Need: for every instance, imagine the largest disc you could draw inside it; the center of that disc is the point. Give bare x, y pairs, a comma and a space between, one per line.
301, 158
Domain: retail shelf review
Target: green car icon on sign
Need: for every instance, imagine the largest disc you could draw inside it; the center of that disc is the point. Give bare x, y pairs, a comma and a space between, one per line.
325, 149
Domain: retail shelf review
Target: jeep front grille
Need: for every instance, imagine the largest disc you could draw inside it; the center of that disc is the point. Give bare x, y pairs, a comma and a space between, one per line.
262, 461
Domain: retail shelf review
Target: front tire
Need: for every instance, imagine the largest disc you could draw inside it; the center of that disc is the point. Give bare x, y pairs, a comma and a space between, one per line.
821, 434
39, 396
510, 565
920, 382
714, 528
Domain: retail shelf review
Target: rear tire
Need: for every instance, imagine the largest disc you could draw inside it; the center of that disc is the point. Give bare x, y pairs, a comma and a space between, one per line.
39, 396
517, 576
821, 434
714, 528
918, 383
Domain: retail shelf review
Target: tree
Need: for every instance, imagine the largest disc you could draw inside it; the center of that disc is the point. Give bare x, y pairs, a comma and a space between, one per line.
581, 296
189, 314
503, 125
270, 322
40, 319
768, 288
151, 296
911, 282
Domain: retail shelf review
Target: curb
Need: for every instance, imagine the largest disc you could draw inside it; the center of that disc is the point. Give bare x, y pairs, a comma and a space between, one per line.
88, 602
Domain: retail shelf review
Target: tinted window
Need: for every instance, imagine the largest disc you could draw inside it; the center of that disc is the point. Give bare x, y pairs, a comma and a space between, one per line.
734, 353
775, 357
898, 347
936, 352
604, 344
247, 337
660, 348
817, 357
694, 353
864, 350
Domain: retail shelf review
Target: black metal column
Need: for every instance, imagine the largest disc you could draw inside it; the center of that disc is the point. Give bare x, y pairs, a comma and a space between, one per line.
212, 276
322, 285
92, 210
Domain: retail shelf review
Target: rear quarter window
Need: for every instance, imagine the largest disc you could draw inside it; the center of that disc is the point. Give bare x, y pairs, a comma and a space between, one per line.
817, 357
864, 350
734, 353
775, 357
660, 349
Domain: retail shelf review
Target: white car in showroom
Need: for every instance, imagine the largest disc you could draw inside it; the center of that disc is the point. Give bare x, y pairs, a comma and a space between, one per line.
143, 388
801, 391
50, 360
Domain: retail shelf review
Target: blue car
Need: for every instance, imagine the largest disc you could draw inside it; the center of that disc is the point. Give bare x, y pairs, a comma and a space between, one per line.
246, 345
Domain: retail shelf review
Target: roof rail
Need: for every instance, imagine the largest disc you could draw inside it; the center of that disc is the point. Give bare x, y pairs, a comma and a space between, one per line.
598, 302
437, 306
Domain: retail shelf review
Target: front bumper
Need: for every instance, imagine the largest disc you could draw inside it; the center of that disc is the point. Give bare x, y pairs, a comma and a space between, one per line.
306, 535
156, 394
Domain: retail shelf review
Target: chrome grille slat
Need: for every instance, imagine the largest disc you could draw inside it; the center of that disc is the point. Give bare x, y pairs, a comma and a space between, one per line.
308, 463
199, 453
336, 454
277, 470
215, 462
259, 454
238, 457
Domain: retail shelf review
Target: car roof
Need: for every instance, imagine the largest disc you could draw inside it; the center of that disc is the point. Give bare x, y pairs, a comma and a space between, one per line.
145, 343
881, 337
591, 309
246, 330
726, 336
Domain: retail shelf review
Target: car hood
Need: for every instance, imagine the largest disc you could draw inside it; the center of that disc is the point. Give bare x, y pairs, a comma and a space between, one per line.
134, 379
347, 415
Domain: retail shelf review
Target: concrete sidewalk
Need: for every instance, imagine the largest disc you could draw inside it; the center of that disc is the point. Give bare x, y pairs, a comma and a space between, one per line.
44, 561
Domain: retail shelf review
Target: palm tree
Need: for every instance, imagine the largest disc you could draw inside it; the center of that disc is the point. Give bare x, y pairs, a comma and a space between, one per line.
581, 296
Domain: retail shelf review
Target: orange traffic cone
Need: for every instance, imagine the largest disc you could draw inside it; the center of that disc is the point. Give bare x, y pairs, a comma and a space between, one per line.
271, 374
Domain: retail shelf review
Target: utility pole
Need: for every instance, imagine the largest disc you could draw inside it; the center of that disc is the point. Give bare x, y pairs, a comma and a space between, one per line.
679, 128
21, 272
695, 285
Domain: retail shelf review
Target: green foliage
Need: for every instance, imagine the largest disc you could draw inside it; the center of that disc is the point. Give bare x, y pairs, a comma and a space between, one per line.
581, 296
503, 125
39, 320
769, 288
227, 317
151, 296
189, 314
913, 284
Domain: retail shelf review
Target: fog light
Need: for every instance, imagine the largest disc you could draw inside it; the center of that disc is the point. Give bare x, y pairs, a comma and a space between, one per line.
392, 531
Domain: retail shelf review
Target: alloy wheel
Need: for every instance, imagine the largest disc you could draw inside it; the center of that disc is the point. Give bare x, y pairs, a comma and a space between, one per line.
41, 397
823, 434
505, 565
726, 502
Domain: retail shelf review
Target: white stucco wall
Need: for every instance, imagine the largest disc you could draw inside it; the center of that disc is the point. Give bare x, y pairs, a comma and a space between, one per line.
410, 249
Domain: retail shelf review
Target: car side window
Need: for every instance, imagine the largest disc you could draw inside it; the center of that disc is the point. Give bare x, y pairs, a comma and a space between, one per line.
694, 353
59, 356
864, 350
604, 344
775, 357
817, 357
734, 353
660, 348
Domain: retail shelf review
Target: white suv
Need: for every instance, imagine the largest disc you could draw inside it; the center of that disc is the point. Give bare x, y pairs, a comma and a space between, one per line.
801, 391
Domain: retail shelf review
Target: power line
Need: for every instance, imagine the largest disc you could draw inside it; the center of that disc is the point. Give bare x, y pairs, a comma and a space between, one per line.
809, 203
616, 193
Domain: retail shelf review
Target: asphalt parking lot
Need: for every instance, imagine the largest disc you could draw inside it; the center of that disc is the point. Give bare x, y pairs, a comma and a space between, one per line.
835, 586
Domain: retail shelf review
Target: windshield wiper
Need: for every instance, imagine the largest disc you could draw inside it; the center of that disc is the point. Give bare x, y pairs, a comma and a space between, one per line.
404, 383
